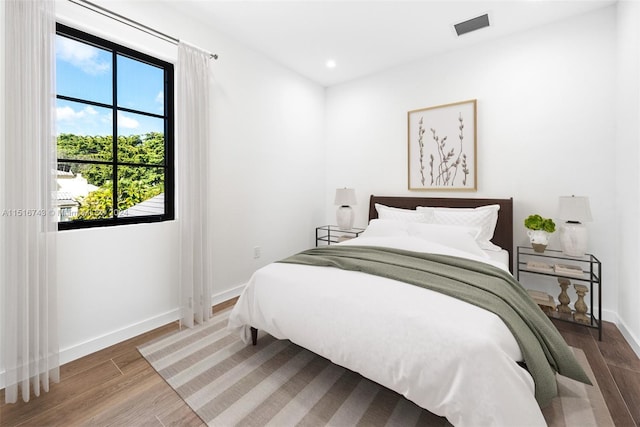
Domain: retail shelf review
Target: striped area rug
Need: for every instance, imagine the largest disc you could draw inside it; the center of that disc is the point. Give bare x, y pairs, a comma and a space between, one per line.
278, 383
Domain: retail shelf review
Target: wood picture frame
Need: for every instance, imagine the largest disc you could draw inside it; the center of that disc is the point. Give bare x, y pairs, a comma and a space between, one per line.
442, 153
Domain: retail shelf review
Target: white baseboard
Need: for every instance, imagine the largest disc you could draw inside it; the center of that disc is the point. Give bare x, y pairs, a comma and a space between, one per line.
95, 344
227, 295
91, 346
633, 341
77, 351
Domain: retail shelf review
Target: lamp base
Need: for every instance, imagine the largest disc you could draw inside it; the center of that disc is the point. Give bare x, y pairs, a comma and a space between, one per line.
344, 217
573, 238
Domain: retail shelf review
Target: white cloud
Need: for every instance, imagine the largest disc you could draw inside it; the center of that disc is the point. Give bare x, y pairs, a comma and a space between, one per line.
81, 55
68, 114
127, 122
85, 121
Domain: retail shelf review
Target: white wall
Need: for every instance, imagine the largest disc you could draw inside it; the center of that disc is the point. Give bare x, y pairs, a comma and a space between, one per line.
546, 126
267, 166
627, 194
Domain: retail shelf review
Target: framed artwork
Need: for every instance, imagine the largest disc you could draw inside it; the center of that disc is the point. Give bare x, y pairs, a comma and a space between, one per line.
442, 147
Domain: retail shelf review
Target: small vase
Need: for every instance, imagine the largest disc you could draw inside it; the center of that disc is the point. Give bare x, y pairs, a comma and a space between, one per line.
539, 239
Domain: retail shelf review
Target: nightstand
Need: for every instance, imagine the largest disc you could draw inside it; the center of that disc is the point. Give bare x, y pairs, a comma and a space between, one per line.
583, 274
329, 234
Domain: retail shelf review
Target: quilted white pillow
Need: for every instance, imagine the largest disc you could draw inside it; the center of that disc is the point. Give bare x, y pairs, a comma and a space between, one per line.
484, 217
386, 228
409, 215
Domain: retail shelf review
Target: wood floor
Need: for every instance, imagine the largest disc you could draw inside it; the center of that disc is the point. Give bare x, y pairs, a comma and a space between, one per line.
116, 386
615, 365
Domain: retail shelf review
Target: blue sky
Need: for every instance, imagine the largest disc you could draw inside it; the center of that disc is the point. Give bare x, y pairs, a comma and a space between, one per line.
84, 71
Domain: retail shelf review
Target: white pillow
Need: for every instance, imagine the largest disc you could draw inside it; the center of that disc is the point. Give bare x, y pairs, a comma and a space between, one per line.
457, 237
409, 215
427, 212
440, 230
484, 217
386, 228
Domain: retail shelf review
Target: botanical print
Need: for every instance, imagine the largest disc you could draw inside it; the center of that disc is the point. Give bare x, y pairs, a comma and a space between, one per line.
442, 147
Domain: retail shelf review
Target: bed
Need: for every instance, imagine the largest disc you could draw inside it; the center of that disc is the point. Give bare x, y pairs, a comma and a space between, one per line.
449, 356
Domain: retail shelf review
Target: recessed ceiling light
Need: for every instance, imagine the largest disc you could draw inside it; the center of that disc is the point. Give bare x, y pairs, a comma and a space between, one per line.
331, 63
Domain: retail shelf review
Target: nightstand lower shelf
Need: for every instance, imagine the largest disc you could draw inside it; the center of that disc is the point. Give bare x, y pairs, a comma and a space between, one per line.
581, 275
568, 317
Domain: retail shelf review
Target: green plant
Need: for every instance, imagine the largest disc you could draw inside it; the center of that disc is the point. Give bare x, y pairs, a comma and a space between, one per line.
536, 222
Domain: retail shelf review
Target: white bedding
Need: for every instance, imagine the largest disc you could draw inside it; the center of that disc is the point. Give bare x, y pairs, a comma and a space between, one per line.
502, 257
448, 356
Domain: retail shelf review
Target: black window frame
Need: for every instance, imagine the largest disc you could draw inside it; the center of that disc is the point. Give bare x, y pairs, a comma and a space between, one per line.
169, 127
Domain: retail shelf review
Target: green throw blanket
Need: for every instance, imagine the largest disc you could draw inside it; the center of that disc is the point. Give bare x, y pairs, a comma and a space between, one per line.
477, 283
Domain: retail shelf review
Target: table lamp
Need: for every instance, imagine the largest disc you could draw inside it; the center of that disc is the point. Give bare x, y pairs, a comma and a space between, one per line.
345, 197
573, 234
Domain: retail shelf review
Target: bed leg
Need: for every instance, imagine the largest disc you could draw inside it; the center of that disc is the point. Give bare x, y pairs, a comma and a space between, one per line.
254, 335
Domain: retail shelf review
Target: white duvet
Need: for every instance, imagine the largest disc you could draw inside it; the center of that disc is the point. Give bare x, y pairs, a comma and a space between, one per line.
449, 357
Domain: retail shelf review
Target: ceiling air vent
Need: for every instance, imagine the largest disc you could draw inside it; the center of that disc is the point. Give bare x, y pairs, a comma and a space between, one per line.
472, 24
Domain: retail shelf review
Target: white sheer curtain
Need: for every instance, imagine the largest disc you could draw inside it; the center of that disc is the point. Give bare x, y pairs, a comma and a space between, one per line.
29, 221
193, 139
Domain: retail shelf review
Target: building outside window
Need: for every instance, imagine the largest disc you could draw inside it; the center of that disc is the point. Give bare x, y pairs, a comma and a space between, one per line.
115, 124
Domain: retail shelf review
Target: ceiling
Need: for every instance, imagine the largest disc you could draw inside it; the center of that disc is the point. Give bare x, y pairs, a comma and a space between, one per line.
364, 37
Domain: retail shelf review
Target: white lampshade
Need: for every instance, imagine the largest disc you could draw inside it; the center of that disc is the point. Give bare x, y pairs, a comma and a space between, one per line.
345, 197
344, 215
575, 209
573, 234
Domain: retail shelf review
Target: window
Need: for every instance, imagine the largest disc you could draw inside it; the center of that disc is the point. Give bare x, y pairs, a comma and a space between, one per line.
114, 118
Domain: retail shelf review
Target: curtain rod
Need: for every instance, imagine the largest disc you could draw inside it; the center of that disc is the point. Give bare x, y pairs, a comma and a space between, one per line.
130, 22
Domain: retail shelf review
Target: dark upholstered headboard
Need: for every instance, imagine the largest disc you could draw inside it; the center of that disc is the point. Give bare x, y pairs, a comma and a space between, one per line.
503, 235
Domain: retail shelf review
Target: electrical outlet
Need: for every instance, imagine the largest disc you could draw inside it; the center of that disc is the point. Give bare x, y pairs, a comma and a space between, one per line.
256, 252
